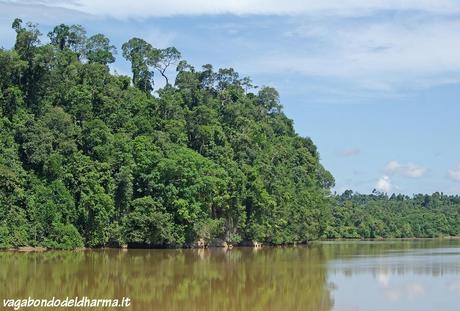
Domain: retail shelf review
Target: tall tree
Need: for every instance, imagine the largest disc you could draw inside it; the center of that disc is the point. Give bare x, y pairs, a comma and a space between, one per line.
72, 37
142, 56
166, 58
27, 38
99, 50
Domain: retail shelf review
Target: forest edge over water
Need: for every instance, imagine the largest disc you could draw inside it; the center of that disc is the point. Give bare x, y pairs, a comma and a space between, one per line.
90, 158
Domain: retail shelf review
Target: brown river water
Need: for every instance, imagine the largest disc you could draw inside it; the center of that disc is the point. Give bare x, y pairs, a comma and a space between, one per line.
385, 275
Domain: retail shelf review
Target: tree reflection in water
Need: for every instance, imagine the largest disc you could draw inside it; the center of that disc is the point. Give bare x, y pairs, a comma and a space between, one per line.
239, 279
215, 279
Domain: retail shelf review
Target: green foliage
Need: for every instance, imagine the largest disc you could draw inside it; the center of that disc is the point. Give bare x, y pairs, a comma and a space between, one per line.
86, 158
149, 223
398, 216
69, 37
99, 50
64, 237
141, 54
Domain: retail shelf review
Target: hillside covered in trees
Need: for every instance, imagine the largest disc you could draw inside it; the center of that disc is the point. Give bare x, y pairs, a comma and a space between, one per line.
92, 158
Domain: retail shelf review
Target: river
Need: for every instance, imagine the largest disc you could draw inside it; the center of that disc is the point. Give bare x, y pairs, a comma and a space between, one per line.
385, 275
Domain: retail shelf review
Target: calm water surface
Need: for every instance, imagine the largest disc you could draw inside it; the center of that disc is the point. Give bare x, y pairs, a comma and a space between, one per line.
390, 275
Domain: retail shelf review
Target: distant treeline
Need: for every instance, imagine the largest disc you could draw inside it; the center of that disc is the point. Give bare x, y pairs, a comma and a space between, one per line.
91, 158
397, 216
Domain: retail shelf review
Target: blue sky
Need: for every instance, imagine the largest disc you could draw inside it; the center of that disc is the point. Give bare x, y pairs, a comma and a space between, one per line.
374, 83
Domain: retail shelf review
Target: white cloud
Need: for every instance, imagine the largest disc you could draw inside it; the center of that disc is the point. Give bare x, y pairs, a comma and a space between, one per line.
392, 166
383, 279
454, 173
149, 8
349, 152
384, 184
407, 170
395, 292
37, 11
378, 55
407, 291
416, 48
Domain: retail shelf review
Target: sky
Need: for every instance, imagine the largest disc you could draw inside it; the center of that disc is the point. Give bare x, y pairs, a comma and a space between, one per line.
374, 83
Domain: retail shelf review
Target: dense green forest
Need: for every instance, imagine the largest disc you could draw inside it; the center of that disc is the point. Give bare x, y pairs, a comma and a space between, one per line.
92, 158
378, 215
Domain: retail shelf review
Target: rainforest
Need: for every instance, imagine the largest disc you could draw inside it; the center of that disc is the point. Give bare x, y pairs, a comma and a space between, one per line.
168, 156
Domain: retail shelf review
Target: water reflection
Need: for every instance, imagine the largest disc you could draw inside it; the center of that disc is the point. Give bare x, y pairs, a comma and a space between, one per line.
240, 279
433, 257
324, 276
407, 275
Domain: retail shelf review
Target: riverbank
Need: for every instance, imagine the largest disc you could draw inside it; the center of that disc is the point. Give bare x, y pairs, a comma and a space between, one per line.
224, 245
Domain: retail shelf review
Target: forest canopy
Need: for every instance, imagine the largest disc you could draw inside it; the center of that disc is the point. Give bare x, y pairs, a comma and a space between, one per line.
92, 158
